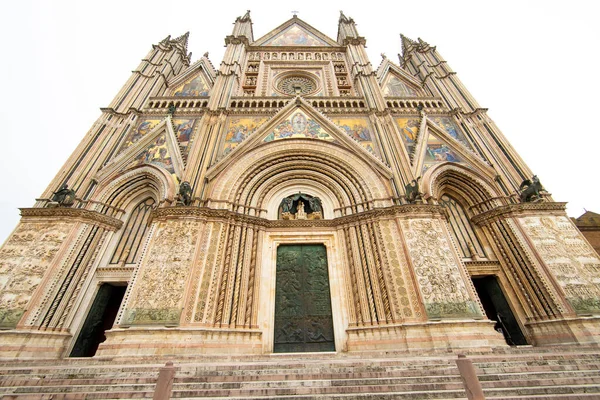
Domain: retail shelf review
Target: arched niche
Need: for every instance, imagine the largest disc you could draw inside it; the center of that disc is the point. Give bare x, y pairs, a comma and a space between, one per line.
274, 197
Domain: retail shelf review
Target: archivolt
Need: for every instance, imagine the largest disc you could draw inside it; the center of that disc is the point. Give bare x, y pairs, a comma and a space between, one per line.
462, 181
355, 184
121, 189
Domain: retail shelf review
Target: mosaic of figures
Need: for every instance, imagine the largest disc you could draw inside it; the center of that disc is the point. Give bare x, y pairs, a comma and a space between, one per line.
24, 259
142, 129
183, 131
299, 126
295, 55
438, 271
295, 36
239, 129
573, 262
437, 152
359, 130
409, 129
194, 87
396, 88
448, 124
156, 153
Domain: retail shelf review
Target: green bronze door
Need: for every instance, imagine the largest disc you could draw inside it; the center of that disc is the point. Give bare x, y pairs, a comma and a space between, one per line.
303, 319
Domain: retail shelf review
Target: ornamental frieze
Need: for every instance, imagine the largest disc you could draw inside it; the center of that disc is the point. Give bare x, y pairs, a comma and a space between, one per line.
295, 56
520, 209
77, 214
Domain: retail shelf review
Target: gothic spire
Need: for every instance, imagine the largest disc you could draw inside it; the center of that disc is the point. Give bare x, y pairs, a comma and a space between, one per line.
406, 43
245, 18
346, 29
182, 40
165, 41
344, 19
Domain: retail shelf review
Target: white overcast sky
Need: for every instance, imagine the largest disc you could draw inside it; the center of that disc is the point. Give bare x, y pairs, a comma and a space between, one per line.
533, 64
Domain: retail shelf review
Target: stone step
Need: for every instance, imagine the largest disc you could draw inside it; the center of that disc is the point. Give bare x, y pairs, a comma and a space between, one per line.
542, 390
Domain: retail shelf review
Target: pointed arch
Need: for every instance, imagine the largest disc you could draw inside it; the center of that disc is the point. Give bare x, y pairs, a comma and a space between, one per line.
120, 190
466, 183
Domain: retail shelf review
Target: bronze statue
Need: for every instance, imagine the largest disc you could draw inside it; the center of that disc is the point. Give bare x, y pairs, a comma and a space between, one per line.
315, 204
185, 193
286, 205
412, 191
65, 197
530, 190
172, 109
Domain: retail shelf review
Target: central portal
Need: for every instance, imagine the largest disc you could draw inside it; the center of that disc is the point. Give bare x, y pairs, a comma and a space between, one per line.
303, 320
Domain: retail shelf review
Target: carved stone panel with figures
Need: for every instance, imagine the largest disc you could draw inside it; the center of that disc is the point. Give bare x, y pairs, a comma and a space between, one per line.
572, 261
437, 270
160, 286
24, 259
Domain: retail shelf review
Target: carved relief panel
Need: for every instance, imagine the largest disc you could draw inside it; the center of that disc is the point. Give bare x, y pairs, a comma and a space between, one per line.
158, 292
572, 261
24, 259
438, 271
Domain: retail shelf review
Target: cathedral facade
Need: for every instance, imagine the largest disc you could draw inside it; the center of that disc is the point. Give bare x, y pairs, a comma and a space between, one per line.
296, 199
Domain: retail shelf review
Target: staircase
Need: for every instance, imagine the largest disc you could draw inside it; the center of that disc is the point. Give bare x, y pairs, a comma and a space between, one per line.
522, 373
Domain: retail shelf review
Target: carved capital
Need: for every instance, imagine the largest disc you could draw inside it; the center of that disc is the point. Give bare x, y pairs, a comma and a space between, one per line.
236, 40
356, 41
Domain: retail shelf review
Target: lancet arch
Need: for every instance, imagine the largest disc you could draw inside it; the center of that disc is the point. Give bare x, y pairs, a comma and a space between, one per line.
120, 190
463, 182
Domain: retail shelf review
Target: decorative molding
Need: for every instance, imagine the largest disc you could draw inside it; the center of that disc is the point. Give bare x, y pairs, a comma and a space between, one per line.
402, 211
80, 214
521, 209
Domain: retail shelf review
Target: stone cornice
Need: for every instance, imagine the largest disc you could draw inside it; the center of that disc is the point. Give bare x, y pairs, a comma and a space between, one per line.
514, 210
77, 214
403, 211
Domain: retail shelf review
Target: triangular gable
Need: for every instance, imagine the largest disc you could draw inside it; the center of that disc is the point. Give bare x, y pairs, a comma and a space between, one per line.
196, 81
239, 128
143, 127
300, 120
395, 87
295, 32
298, 125
156, 153
396, 82
184, 132
409, 132
359, 129
435, 145
448, 124
158, 147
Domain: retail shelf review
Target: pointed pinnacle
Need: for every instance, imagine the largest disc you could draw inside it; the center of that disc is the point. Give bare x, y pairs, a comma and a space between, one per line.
183, 40
406, 43
345, 19
422, 42
245, 18
166, 40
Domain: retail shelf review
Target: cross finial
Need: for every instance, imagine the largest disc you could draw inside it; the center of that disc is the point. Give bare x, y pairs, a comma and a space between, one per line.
295, 13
